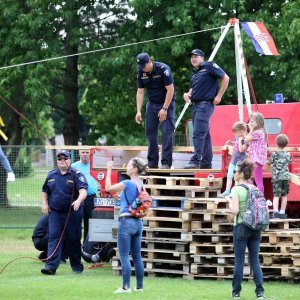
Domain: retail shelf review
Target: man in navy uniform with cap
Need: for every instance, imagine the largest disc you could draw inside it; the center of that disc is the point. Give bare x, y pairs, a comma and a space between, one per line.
204, 94
63, 192
157, 78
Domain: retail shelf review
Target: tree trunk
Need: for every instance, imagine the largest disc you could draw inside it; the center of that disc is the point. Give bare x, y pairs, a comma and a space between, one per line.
70, 85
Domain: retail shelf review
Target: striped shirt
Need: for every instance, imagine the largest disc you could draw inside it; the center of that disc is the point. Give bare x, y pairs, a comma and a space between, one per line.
258, 147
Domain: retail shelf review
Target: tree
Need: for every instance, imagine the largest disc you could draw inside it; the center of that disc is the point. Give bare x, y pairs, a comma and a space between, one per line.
113, 81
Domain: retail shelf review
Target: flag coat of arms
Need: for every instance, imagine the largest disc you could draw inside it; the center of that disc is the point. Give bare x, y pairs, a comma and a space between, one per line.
260, 37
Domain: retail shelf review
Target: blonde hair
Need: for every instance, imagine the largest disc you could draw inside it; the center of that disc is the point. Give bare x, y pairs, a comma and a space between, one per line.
140, 164
260, 121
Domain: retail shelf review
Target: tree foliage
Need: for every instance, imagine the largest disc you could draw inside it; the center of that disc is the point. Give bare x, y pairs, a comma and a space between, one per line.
93, 95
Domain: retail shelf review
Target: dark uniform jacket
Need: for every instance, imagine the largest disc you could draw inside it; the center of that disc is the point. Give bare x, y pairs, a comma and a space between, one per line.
63, 190
156, 81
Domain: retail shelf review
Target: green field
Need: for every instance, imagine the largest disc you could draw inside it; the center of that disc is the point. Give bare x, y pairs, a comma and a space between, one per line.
22, 280
26, 191
19, 217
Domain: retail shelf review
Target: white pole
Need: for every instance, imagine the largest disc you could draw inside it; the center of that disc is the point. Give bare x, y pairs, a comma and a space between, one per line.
238, 74
220, 41
242, 66
210, 59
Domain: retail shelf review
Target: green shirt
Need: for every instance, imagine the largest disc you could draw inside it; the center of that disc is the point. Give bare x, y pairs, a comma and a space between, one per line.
241, 194
280, 161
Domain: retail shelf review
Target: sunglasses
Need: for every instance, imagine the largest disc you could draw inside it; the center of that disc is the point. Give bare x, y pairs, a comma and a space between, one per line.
62, 158
236, 171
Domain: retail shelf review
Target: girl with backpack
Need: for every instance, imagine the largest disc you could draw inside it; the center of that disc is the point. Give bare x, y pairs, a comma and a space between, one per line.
130, 228
244, 236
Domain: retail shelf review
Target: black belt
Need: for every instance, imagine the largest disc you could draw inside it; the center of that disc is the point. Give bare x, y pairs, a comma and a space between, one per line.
200, 102
126, 217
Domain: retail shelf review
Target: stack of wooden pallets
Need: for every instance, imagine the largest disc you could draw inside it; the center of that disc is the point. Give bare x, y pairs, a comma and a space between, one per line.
188, 233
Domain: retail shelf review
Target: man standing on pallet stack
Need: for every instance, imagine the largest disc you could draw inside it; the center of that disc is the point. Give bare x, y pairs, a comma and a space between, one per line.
204, 95
157, 78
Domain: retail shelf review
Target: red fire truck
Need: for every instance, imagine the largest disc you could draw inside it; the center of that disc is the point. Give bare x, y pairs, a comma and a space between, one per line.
280, 118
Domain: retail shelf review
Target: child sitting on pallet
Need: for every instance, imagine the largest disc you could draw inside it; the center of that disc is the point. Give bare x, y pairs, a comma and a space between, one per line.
239, 153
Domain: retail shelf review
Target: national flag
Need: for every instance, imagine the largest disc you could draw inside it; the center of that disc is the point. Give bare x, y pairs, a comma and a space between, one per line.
260, 37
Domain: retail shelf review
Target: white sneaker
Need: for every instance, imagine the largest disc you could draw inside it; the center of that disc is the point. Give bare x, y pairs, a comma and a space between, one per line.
138, 290
122, 291
11, 177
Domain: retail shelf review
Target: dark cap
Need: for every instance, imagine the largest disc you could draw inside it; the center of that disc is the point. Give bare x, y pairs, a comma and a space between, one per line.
197, 52
142, 59
64, 153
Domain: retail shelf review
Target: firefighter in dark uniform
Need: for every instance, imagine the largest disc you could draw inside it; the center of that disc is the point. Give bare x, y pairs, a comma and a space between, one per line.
40, 237
63, 192
157, 78
204, 95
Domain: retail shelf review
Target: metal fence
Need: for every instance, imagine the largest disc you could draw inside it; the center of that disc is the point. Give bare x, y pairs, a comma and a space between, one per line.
20, 201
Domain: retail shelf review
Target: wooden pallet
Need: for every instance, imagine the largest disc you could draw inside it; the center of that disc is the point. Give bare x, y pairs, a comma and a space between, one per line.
206, 204
272, 277
280, 271
181, 190
208, 226
169, 222
167, 245
165, 266
220, 270
190, 203
207, 248
212, 238
284, 224
169, 212
219, 216
286, 237
172, 234
215, 183
278, 259
166, 254
167, 234
216, 259
168, 201
279, 249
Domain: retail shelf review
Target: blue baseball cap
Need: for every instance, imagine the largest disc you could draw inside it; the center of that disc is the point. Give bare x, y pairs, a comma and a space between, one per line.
64, 153
197, 52
142, 59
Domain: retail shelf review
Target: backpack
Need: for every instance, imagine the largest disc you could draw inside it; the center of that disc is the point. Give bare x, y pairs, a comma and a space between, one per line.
256, 215
141, 204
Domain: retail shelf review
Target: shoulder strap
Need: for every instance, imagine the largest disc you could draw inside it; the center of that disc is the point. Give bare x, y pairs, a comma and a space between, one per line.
247, 188
138, 186
244, 186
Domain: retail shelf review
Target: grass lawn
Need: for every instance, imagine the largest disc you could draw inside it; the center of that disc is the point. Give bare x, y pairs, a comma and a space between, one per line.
22, 280
20, 217
27, 191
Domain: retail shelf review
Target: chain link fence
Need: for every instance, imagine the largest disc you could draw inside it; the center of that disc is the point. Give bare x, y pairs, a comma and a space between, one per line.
20, 201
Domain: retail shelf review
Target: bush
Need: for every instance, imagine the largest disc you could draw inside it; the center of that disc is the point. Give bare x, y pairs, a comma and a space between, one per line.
23, 164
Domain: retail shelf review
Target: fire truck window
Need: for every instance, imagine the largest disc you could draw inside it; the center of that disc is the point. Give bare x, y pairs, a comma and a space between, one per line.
274, 126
